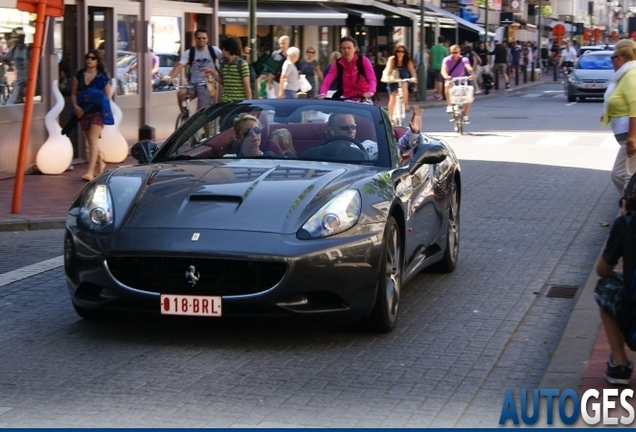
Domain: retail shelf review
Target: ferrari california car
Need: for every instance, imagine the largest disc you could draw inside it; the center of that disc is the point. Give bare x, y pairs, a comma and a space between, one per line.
336, 225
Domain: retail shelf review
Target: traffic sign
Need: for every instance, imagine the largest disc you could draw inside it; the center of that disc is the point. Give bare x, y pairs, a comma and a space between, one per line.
558, 30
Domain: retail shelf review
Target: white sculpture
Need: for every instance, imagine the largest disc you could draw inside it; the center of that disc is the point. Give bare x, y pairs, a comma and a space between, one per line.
112, 143
56, 154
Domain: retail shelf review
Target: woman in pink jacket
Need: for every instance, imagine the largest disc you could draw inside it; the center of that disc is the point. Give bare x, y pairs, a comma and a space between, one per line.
358, 76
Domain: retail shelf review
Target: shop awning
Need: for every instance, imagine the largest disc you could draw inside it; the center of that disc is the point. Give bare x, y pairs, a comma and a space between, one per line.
368, 15
282, 14
524, 24
461, 21
431, 18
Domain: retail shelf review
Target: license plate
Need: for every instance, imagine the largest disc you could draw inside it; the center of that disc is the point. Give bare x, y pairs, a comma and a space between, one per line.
593, 86
190, 305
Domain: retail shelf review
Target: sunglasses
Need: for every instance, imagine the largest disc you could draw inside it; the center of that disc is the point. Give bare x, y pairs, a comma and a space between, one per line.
90, 57
311, 52
346, 128
255, 129
455, 52
400, 51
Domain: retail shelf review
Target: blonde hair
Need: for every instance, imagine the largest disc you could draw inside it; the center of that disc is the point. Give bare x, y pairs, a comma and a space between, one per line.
334, 56
626, 48
238, 122
293, 51
284, 139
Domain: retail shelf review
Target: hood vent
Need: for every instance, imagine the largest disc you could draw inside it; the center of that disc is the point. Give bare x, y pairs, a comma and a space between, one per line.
216, 198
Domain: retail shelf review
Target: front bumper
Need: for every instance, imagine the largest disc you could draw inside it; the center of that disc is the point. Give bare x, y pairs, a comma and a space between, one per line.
585, 90
254, 273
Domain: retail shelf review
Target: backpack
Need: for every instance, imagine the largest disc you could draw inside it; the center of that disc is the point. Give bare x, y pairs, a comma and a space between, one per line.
239, 65
191, 58
340, 67
279, 68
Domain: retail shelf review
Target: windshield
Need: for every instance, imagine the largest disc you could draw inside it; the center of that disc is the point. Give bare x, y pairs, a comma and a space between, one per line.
595, 62
326, 131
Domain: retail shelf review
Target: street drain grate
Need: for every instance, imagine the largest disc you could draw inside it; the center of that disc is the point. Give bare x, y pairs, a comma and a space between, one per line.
562, 291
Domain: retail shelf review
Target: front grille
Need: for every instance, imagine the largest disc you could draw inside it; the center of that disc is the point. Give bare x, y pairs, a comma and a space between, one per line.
168, 275
591, 81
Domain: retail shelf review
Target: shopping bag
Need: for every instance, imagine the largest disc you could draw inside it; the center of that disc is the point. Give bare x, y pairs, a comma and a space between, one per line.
305, 86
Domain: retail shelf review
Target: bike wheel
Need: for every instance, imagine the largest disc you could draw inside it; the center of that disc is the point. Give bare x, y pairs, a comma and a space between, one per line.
181, 119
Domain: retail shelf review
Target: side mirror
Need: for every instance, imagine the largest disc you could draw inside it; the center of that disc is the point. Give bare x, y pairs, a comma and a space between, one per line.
429, 155
143, 151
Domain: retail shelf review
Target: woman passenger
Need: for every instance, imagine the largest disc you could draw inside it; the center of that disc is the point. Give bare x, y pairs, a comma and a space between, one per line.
247, 136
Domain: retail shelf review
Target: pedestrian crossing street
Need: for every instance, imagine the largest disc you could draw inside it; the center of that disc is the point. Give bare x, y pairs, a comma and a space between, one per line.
592, 150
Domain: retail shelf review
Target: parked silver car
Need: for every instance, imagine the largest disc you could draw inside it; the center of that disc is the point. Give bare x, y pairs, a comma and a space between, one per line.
590, 76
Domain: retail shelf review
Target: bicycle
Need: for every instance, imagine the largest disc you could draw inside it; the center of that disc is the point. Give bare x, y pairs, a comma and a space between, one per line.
459, 94
184, 115
398, 110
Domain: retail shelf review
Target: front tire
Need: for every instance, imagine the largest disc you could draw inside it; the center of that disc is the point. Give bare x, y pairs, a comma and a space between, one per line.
448, 262
383, 317
571, 99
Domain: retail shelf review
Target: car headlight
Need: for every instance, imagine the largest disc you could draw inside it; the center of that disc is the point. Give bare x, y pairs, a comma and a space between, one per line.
573, 79
338, 215
96, 212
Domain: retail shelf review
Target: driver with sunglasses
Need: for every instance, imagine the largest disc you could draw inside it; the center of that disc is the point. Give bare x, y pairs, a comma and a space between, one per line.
345, 125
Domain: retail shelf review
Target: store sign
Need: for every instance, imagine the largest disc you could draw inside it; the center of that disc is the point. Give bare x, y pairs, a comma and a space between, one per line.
233, 20
506, 19
469, 13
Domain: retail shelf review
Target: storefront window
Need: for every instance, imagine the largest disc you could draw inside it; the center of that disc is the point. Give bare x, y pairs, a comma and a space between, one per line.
15, 50
126, 55
164, 40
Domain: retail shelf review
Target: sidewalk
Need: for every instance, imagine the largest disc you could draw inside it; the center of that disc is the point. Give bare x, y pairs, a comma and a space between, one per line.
578, 363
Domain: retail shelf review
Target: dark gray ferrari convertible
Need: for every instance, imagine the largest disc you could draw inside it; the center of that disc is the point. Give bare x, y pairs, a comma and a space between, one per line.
266, 207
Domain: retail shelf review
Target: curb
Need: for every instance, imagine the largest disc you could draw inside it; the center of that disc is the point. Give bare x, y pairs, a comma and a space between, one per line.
572, 355
32, 224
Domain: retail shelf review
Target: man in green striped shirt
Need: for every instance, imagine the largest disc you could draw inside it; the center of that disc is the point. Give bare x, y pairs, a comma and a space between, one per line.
234, 71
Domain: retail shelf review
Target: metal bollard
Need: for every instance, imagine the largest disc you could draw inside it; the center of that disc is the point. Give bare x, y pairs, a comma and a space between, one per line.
516, 75
525, 74
554, 69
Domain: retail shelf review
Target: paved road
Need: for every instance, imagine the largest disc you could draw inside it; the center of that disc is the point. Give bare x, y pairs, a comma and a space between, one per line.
536, 190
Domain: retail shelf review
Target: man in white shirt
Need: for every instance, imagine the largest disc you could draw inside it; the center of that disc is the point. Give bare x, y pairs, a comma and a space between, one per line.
567, 58
203, 61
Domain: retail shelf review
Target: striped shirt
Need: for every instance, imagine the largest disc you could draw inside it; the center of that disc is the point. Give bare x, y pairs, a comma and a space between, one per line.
233, 89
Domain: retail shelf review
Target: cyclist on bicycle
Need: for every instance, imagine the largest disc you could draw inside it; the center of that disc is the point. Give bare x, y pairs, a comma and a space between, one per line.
567, 58
203, 61
455, 66
355, 73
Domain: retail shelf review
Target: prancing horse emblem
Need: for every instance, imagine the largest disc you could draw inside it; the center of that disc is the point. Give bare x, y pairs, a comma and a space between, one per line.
192, 275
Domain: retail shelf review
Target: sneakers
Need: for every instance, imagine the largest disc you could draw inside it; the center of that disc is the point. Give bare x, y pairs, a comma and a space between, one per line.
507, 86
618, 374
438, 97
449, 109
466, 120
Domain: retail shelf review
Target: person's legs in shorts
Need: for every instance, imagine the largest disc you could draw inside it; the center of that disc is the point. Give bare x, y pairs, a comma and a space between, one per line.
439, 82
203, 97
